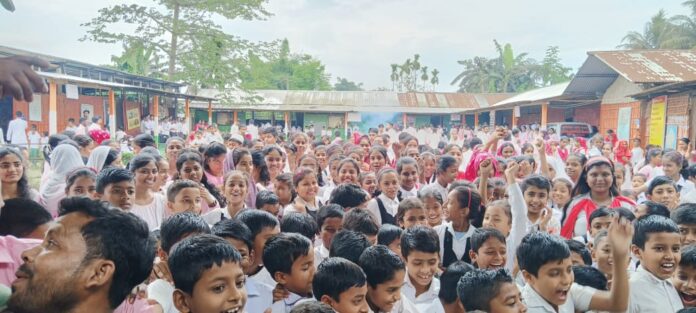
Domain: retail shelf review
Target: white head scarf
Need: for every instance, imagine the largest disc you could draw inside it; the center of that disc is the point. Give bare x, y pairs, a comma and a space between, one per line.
64, 159
98, 157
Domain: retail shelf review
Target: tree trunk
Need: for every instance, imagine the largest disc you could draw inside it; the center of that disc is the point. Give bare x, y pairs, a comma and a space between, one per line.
173, 43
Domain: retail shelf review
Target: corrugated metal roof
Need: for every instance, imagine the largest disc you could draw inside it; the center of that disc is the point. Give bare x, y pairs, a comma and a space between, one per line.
651, 66
536, 95
356, 101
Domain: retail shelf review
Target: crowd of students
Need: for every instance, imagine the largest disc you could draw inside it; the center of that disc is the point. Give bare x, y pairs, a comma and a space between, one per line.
496, 220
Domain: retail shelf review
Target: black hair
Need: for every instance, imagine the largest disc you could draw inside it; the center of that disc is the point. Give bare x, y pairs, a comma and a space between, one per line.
408, 204
450, 279
301, 223
388, 233
335, 276
654, 208
469, 197
582, 187
328, 211
257, 220
586, 275
117, 236
419, 238
264, 197
282, 250
361, 221
214, 149
579, 248
348, 244
234, 229
312, 307
111, 156
685, 214
524, 157
112, 175
186, 156
652, 224
82, 171
688, 256
144, 140
20, 217
480, 235
140, 160
380, 264
476, 288
53, 142
82, 140
445, 162
191, 257
177, 186
257, 157
537, 181
23, 188
658, 181
179, 226
348, 195
599, 212
539, 248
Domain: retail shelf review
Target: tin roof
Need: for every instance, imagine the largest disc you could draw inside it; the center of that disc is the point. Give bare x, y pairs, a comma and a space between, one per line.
353, 101
535, 95
651, 66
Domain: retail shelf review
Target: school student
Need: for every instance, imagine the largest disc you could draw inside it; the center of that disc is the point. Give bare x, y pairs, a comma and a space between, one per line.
390, 236
685, 217
490, 291
454, 237
446, 173
116, 186
184, 196
385, 272
448, 286
341, 284
545, 262
299, 223
657, 244
411, 213
207, 276
263, 226
148, 205
488, 249
385, 206
174, 229
259, 296
349, 245
363, 222
329, 222
235, 190
420, 248
579, 254
268, 201
289, 259
685, 278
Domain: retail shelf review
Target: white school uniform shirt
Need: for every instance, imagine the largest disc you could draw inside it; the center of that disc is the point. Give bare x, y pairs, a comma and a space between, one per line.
426, 302
651, 294
263, 277
152, 213
458, 245
579, 298
321, 253
404, 305
17, 132
520, 224
161, 291
259, 297
408, 193
286, 305
390, 205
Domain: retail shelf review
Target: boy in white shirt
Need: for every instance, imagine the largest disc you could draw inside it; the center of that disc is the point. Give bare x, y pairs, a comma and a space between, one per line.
420, 247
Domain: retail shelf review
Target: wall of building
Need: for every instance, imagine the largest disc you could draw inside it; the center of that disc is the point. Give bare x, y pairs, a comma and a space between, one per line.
609, 118
619, 90
67, 108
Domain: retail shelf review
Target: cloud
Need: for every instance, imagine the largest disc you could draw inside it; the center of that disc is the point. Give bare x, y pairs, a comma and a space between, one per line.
358, 39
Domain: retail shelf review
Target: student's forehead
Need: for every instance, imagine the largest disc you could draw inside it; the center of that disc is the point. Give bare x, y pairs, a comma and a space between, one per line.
227, 271
535, 189
555, 264
663, 238
420, 255
189, 191
687, 226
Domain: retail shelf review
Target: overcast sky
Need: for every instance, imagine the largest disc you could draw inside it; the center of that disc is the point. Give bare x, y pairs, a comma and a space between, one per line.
359, 39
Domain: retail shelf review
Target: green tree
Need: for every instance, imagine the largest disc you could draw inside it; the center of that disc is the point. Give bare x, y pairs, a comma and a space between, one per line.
478, 75
343, 84
283, 70
406, 76
138, 59
552, 70
185, 33
658, 33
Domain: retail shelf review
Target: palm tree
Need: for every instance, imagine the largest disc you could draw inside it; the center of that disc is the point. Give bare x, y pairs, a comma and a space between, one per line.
478, 75
659, 33
415, 67
434, 79
394, 75
424, 76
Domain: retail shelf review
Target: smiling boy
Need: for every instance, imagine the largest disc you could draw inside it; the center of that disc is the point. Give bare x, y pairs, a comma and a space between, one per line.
341, 284
289, 258
546, 265
657, 245
421, 250
685, 278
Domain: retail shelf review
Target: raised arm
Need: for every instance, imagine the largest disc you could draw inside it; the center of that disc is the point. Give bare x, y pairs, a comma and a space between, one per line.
616, 300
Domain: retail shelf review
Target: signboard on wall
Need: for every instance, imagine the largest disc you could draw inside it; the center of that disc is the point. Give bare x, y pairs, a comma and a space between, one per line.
671, 137
71, 91
133, 118
623, 130
657, 121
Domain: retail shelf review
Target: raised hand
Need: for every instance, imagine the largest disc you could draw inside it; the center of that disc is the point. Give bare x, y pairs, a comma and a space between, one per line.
511, 172
486, 168
620, 234
18, 80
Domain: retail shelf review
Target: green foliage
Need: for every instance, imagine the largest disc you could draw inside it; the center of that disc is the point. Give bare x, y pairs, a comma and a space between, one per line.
139, 60
664, 32
343, 84
412, 76
509, 72
183, 33
283, 70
